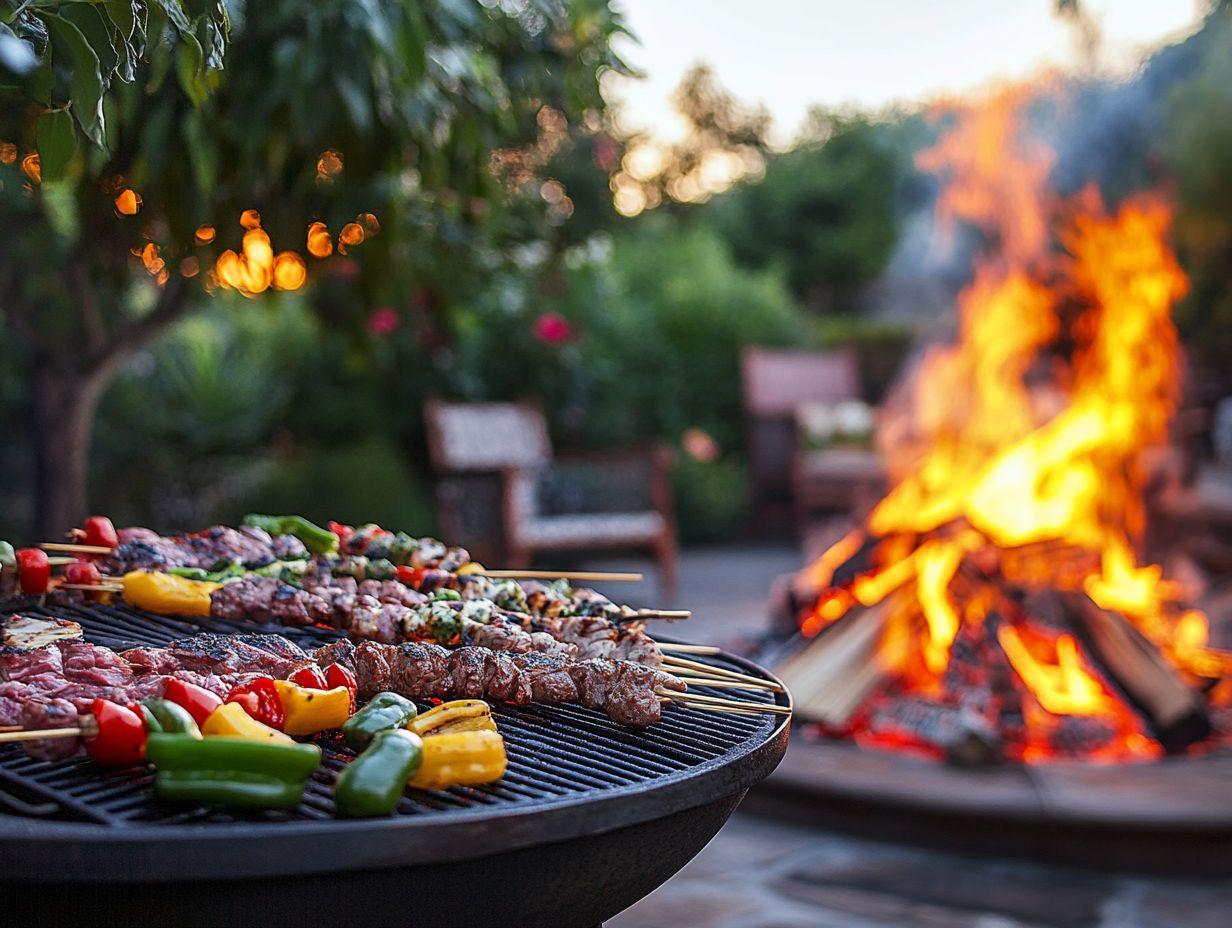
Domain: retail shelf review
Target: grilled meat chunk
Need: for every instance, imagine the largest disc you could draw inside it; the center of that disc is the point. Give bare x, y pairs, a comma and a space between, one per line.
52, 713
418, 670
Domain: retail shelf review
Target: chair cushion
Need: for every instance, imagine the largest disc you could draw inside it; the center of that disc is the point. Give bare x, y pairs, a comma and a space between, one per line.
842, 463
597, 528
487, 436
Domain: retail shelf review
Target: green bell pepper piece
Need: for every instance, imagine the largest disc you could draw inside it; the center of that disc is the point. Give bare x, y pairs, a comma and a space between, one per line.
384, 711
151, 720
180, 751
239, 789
8, 557
316, 539
170, 717
373, 784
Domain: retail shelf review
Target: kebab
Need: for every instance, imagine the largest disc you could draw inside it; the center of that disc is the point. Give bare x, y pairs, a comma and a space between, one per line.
50, 683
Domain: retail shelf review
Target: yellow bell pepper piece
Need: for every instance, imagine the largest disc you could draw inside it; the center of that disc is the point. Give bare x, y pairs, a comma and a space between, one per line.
465, 758
455, 716
470, 567
310, 710
167, 594
231, 721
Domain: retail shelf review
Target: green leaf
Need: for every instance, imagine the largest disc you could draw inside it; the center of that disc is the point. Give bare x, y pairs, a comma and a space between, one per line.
56, 140
16, 56
122, 16
41, 83
189, 67
86, 85
176, 14
97, 30
126, 64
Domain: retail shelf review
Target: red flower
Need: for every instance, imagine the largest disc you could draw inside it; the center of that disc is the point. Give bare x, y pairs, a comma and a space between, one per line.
552, 329
383, 321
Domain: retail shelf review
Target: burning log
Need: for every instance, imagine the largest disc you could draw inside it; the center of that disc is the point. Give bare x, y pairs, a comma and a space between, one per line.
835, 672
1175, 712
960, 734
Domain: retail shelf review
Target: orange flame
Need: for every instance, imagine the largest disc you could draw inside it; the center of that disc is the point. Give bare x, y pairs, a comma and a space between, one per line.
999, 444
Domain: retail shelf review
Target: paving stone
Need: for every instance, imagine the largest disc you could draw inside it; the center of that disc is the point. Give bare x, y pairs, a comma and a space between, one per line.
690, 904
952, 890
1186, 905
750, 845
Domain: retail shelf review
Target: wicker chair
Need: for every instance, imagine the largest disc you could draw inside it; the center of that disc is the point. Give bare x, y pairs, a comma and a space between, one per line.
788, 481
499, 480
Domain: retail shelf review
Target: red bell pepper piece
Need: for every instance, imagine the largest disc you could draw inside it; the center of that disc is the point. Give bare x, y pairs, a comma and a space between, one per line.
33, 570
344, 533
338, 675
83, 572
120, 738
99, 531
199, 701
310, 677
411, 576
260, 699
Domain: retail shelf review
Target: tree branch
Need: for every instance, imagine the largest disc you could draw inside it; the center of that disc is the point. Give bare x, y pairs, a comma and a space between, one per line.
171, 306
12, 310
88, 303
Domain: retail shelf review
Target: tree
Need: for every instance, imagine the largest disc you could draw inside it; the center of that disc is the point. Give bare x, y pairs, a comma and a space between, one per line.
379, 121
826, 211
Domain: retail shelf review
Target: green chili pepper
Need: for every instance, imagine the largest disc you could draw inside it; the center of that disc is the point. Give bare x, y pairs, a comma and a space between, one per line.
316, 539
231, 771
8, 557
373, 784
189, 573
445, 596
384, 711
171, 717
228, 570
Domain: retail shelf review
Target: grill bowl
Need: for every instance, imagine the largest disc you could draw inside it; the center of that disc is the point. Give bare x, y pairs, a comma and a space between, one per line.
589, 818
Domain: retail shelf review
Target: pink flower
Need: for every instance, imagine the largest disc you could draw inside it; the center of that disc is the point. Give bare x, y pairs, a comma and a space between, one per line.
383, 321
552, 329
700, 445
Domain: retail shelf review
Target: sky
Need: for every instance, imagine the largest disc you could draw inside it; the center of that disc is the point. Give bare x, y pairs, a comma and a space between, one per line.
789, 54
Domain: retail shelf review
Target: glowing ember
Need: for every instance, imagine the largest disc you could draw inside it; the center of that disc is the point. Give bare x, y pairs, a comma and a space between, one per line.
128, 202
1016, 467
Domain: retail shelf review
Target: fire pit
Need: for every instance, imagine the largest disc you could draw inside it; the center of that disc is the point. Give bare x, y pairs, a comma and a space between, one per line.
589, 818
997, 604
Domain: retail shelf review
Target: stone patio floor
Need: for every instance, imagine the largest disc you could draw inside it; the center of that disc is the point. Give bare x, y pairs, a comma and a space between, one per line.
758, 873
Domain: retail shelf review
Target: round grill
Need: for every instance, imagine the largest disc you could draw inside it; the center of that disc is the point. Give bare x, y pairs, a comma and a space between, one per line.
574, 779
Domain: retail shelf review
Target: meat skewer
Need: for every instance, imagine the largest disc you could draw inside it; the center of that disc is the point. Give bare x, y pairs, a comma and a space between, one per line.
387, 611
50, 687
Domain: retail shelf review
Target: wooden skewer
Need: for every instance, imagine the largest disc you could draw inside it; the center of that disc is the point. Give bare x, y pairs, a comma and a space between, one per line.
562, 575
39, 734
717, 701
61, 561
91, 587
716, 683
706, 707
688, 648
707, 670
689, 673
739, 704
74, 549
667, 615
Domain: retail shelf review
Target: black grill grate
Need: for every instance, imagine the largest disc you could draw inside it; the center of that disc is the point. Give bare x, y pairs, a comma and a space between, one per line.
557, 754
